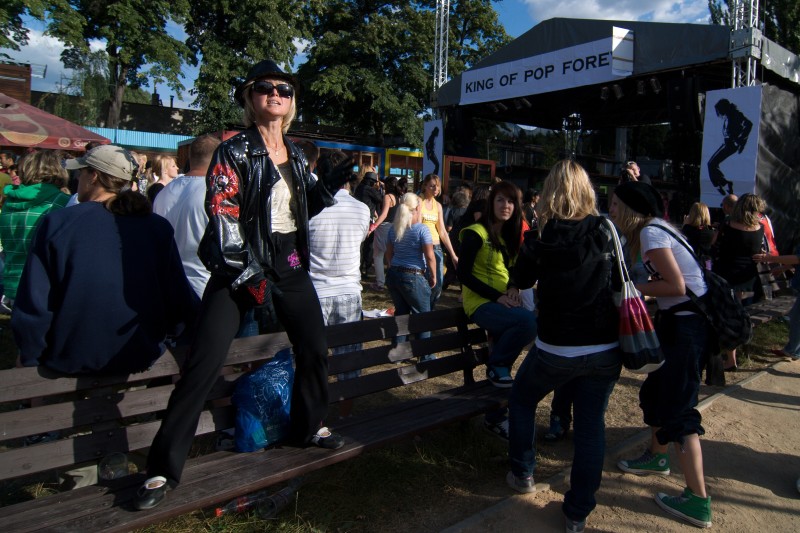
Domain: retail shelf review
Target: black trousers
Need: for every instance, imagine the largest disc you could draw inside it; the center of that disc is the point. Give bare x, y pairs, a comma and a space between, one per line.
297, 307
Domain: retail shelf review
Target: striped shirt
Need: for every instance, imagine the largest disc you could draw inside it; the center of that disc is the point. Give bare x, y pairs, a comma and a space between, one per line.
335, 237
408, 252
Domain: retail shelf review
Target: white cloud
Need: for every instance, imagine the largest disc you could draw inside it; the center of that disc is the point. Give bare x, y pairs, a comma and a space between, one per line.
42, 51
45, 51
695, 11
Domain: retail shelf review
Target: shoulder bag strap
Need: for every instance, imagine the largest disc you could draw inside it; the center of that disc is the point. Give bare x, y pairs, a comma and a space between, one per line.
694, 298
621, 267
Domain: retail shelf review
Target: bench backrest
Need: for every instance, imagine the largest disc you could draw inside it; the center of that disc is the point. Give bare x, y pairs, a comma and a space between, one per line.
96, 416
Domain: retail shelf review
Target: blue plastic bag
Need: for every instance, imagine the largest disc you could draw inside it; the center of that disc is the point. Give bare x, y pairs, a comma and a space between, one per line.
263, 400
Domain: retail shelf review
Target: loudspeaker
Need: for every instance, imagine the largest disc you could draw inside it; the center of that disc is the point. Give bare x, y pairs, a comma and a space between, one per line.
682, 102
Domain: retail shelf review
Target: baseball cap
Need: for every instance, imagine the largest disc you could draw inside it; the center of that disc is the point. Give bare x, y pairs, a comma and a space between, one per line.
109, 159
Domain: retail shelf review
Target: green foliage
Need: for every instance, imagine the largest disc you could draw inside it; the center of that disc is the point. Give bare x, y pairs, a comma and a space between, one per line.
12, 32
475, 32
369, 67
232, 36
780, 19
135, 37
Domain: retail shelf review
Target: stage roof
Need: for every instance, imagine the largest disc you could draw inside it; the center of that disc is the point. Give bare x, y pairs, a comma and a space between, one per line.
672, 64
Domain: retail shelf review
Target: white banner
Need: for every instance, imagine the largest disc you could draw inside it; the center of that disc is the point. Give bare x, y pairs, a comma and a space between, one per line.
730, 143
585, 64
433, 160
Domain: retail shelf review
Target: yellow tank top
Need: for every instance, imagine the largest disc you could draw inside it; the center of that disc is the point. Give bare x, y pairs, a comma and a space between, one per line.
430, 218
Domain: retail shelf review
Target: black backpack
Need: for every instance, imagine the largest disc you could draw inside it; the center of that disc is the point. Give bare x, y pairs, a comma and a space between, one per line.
729, 320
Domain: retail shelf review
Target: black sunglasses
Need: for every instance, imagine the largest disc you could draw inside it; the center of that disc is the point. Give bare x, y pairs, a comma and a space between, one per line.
265, 87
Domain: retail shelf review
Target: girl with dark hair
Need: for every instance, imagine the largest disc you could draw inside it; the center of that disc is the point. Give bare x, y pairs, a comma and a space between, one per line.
488, 249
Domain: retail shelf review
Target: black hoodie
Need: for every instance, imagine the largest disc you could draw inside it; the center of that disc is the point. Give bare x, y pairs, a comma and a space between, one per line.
575, 266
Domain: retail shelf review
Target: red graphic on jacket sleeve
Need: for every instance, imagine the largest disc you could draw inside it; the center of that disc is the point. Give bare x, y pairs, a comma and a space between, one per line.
259, 292
225, 185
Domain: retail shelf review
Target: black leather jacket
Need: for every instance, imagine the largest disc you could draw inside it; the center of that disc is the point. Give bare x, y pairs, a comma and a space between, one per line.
237, 242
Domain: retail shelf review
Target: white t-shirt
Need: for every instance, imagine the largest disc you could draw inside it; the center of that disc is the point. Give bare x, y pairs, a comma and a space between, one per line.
654, 238
182, 203
282, 217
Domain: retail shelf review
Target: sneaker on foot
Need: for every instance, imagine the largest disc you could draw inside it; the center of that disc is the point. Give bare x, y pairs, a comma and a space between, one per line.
556, 430
499, 429
574, 526
324, 438
648, 463
525, 485
689, 506
499, 376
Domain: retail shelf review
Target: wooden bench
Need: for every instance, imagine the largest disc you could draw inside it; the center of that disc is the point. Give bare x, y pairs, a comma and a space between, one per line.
766, 310
99, 416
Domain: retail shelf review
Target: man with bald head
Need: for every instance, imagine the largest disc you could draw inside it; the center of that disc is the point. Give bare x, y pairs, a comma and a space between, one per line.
728, 203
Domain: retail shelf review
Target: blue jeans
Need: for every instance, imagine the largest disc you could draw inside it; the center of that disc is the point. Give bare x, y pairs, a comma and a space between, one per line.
436, 292
594, 377
668, 396
410, 294
511, 329
561, 406
793, 344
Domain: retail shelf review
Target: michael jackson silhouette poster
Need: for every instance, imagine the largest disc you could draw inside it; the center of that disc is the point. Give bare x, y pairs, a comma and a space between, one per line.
730, 143
433, 161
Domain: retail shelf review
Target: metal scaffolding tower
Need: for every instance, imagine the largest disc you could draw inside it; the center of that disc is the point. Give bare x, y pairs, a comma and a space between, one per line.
441, 36
745, 46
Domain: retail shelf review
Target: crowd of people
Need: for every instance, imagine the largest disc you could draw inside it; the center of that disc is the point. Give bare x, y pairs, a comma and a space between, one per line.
259, 224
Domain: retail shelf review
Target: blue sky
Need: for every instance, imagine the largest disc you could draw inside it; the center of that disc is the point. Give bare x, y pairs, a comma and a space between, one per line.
517, 16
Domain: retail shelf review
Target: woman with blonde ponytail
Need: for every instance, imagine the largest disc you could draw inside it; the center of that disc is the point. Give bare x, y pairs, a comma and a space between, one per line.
409, 248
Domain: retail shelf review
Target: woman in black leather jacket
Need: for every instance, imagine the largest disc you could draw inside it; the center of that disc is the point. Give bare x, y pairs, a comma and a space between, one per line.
260, 196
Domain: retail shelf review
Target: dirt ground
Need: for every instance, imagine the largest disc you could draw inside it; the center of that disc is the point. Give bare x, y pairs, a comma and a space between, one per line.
751, 466
751, 461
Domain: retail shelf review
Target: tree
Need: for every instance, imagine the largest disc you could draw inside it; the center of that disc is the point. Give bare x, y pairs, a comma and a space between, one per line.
12, 31
232, 36
134, 33
369, 65
475, 32
84, 98
780, 19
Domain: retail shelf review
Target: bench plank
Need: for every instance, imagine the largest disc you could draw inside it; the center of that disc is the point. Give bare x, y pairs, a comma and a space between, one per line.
228, 474
101, 415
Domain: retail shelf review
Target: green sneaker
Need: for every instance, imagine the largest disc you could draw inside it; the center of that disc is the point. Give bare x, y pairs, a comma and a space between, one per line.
648, 463
690, 507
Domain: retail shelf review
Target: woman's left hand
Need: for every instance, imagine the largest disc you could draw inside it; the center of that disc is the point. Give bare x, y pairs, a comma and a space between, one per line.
510, 299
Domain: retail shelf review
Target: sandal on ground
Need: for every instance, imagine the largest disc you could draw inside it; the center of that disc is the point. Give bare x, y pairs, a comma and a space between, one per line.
324, 438
151, 493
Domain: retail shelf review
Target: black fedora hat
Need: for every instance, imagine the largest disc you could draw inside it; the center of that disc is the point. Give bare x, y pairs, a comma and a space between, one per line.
263, 69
